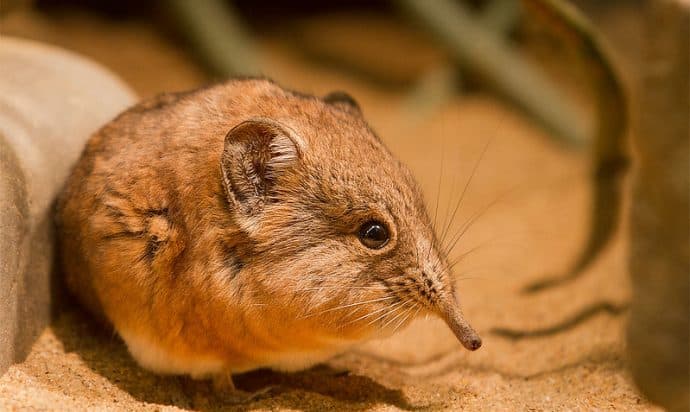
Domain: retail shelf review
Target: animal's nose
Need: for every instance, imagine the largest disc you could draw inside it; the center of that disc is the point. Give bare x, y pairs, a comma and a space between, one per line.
475, 343
429, 285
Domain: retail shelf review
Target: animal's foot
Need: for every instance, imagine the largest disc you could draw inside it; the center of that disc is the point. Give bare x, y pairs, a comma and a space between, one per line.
226, 391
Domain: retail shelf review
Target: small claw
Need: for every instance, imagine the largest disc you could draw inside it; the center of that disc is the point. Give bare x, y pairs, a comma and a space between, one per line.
225, 390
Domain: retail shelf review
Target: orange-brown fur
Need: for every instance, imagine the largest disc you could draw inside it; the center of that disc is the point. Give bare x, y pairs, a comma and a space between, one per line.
152, 241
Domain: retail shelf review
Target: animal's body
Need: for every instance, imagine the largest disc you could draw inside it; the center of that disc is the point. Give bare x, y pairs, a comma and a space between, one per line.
243, 225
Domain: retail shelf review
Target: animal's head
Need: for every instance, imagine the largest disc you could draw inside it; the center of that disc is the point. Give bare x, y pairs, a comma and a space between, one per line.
339, 230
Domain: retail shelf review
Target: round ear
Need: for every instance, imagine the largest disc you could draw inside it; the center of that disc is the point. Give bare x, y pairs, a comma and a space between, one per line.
255, 154
343, 100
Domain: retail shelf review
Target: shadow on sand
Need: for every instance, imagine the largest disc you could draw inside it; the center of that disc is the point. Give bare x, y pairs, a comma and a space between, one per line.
105, 353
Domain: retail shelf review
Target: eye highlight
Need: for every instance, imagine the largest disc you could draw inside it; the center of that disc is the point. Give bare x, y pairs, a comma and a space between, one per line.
373, 234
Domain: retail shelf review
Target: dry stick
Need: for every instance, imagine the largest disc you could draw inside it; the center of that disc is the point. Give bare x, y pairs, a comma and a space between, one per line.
218, 35
487, 54
580, 317
500, 16
610, 159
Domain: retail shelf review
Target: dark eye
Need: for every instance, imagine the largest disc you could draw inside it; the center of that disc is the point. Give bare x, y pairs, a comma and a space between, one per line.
373, 234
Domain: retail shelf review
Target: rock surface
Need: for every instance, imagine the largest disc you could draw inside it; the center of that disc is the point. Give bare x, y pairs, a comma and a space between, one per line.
659, 333
51, 100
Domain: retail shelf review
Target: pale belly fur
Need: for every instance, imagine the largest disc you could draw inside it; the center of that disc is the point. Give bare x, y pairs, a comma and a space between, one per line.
151, 356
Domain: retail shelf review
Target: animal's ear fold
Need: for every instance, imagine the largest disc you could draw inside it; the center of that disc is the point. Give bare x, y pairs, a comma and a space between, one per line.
255, 154
342, 99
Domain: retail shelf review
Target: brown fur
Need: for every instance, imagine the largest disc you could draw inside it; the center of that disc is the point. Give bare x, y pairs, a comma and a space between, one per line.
155, 240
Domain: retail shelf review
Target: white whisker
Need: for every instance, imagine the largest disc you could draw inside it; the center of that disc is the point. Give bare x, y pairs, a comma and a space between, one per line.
401, 311
367, 315
464, 191
391, 310
351, 305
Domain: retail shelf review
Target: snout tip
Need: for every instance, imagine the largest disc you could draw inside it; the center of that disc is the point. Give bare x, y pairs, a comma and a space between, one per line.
467, 336
473, 343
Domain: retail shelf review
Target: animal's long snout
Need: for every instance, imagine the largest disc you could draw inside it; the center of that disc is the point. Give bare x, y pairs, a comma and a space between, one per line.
452, 315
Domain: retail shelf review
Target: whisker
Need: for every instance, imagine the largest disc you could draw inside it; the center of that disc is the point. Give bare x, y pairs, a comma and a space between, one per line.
400, 312
464, 190
416, 313
438, 189
466, 253
483, 272
368, 315
451, 196
492, 242
471, 278
438, 199
465, 227
391, 310
405, 313
405, 318
371, 288
350, 305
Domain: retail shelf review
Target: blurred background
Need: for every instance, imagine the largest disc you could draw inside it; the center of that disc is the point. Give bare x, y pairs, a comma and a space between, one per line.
496, 93
387, 45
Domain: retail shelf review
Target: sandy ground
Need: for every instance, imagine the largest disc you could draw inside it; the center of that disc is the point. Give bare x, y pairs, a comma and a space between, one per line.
561, 349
